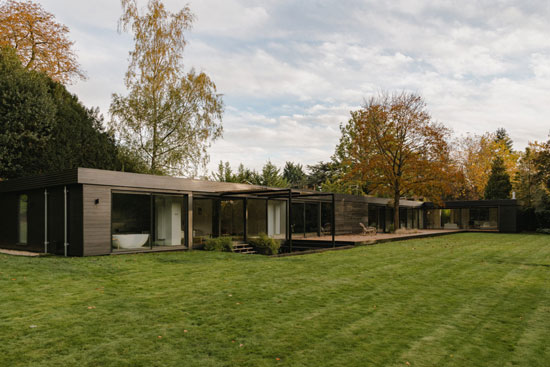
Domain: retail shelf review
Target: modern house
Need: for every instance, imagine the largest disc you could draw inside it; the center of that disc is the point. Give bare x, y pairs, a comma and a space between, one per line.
83, 212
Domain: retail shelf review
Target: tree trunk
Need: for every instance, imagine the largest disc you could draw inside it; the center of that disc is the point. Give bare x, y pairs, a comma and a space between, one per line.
396, 210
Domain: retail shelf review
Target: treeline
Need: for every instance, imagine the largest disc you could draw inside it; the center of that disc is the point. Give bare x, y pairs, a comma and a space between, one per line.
292, 175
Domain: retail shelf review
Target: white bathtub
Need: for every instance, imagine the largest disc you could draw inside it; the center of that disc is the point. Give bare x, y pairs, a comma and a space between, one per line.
128, 241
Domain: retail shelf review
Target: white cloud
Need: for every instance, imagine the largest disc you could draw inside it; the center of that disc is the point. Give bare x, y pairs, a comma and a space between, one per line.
290, 72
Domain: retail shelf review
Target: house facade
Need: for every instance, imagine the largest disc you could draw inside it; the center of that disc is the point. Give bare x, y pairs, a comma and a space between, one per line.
85, 212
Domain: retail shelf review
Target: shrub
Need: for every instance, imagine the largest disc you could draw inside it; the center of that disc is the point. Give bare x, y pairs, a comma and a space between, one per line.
265, 245
544, 230
219, 244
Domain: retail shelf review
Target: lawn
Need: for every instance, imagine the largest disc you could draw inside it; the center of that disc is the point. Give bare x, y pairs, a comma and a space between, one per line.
458, 300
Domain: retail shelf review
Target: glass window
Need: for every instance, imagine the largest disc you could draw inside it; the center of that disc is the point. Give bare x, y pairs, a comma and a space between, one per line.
131, 221
276, 219
257, 220
326, 218
23, 219
170, 220
373, 216
312, 219
483, 218
232, 218
203, 220
297, 221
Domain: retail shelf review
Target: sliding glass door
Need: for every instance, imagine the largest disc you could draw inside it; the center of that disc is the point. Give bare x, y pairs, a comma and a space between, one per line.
142, 221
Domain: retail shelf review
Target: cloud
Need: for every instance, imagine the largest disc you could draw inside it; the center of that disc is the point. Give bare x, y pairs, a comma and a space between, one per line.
290, 72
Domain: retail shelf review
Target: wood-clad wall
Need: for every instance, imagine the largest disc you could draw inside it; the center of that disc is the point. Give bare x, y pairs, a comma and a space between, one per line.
96, 220
349, 214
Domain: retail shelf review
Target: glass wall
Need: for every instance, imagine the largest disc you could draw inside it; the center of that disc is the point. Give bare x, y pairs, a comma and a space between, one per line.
169, 229
312, 212
462, 218
203, 220
143, 221
131, 221
257, 217
373, 216
23, 220
326, 219
276, 219
483, 218
232, 218
297, 223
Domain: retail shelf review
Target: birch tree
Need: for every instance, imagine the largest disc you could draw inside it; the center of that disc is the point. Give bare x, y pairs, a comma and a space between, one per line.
169, 117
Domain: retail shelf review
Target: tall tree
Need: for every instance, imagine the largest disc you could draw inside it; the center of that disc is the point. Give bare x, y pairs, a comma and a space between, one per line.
501, 136
527, 185
271, 176
396, 148
224, 173
542, 163
474, 156
41, 43
294, 174
498, 185
27, 115
45, 128
169, 117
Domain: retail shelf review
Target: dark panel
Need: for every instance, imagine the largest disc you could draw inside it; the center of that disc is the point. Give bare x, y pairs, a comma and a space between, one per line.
508, 218
75, 221
56, 220
96, 220
39, 182
8, 219
35, 220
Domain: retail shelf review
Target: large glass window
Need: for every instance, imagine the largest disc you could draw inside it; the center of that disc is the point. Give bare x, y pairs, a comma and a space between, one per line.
373, 216
297, 220
143, 221
326, 218
257, 220
484, 218
312, 219
203, 219
232, 218
23, 219
169, 220
131, 221
276, 218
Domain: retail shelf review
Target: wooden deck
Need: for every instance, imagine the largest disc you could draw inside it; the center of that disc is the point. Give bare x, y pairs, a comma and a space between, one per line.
380, 237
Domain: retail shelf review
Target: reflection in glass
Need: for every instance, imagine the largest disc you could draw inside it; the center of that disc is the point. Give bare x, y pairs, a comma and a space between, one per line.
169, 220
257, 221
326, 218
203, 219
131, 221
297, 223
232, 218
312, 219
23, 219
276, 219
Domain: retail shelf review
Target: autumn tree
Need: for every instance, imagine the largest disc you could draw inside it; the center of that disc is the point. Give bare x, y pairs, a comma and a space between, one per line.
169, 117
474, 155
41, 43
393, 144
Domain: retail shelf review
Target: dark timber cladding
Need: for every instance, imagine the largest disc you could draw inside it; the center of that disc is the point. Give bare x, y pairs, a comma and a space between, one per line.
88, 196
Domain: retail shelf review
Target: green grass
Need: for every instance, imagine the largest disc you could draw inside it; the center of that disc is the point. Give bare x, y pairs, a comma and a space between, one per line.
459, 300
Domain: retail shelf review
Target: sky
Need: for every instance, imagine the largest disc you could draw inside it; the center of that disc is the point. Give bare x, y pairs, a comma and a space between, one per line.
291, 71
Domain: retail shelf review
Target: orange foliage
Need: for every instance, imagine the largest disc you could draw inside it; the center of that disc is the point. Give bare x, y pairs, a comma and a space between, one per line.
396, 149
40, 42
474, 156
